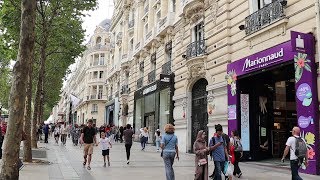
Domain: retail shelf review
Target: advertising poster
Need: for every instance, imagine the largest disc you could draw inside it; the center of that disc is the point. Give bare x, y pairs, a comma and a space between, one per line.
245, 131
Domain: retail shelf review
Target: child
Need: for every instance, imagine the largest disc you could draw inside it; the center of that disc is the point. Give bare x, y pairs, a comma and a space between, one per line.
105, 146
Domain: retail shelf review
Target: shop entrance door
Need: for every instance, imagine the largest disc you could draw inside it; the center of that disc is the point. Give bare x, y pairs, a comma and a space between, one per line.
199, 115
272, 111
149, 120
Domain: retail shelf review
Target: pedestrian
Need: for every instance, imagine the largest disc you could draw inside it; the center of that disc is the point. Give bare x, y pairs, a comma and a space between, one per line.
105, 145
298, 152
201, 158
128, 135
238, 152
101, 130
39, 132
3, 132
157, 134
46, 130
75, 134
170, 150
64, 133
57, 133
88, 138
52, 129
144, 136
218, 148
121, 129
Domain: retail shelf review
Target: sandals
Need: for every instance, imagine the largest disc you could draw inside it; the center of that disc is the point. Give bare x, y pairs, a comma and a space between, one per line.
89, 168
84, 163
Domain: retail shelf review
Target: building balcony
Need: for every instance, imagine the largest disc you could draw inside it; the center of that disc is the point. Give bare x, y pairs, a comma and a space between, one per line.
166, 68
99, 47
165, 23
196, 49
140, 83
94, 112
265, 16
119, 38
146, 9
192, 9
125, 61
148, 38
131, 24
93, 96
152, 76
137, 48
110, 98
125, 90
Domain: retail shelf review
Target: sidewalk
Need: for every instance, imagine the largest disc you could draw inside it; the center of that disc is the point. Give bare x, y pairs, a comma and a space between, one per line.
66, 164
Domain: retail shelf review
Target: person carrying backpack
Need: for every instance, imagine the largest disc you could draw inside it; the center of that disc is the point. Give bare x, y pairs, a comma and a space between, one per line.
238, 152
298, 152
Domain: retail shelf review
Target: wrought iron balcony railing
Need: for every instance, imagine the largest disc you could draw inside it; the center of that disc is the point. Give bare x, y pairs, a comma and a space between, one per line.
152, 76
264, 17
125, 89
146, 9
197, 48
166, 68
140, 83
131, 24
93, 96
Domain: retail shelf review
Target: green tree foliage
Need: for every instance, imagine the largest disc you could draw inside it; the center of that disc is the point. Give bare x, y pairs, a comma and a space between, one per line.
57, 21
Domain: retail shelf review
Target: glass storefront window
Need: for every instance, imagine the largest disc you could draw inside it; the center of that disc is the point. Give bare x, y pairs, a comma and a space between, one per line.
164, 108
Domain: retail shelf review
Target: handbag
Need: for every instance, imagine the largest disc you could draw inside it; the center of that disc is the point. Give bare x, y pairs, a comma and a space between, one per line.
161, 154
202, 162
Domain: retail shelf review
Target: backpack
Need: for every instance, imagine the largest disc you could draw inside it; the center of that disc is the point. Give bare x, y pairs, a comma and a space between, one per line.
301, 148
237, 145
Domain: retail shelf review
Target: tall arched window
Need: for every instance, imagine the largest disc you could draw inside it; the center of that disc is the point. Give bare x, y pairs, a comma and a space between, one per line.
98, 41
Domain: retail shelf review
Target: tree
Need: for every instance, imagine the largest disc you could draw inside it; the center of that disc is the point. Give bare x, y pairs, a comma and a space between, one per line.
9, 169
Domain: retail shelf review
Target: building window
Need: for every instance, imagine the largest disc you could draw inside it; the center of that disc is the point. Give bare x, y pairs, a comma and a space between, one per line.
101, 75
173, 5
198, 34
101, 59
95, 74
98, 41
255, 5
146, 29
131, 44
100, 92
96, 60
94, 108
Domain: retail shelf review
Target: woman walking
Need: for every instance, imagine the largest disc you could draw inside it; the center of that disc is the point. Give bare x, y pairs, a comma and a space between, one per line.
201, 160
236, 142
169, 146
157, 134
144, 136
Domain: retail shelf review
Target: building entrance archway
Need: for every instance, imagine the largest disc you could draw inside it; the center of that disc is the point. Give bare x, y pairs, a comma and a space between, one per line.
199, 115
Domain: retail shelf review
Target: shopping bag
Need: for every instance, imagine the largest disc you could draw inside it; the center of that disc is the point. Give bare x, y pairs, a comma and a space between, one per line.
230, 169
226, 165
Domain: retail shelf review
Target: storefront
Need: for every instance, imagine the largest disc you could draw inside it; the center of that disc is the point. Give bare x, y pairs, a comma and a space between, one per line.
153, 107
112, 112
270, 92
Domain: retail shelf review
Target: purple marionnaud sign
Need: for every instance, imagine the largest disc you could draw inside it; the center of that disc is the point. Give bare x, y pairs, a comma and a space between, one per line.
262, 60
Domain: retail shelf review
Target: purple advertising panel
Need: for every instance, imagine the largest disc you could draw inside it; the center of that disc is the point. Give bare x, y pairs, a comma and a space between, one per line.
299, 50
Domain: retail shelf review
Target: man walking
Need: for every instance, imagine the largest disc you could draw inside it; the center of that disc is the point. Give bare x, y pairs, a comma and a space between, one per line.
218, 146
46, 133
128, 135
88, 137
298, 152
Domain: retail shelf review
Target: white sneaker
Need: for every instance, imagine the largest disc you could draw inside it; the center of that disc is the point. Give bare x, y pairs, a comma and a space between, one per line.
128, 162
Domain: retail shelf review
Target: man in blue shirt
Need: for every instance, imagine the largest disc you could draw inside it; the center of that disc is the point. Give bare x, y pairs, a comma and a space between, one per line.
219, 152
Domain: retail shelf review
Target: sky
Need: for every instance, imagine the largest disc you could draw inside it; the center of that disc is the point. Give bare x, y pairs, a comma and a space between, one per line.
104, 10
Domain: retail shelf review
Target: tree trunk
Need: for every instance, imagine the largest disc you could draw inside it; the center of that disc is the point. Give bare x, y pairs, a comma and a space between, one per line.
27, 151
34, 137
9, 169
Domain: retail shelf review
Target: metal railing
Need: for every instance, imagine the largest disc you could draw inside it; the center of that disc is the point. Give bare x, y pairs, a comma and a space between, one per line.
125, 89
197, 48
264, 16
93, 96
140, 83
137, 45
131, 24
152, 76
166, 68
116, 94
146, 9
148, 35
110, 98
162, 21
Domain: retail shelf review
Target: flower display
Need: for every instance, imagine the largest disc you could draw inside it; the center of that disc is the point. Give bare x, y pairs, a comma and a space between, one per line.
301, 64
310, 138
231, 80
311, 153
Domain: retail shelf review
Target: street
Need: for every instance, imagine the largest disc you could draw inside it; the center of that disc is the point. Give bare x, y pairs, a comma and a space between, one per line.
66, 164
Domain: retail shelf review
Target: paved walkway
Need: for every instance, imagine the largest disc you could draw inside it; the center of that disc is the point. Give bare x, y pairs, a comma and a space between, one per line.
66, 164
